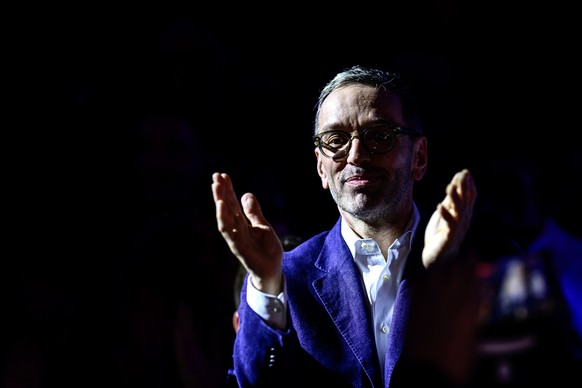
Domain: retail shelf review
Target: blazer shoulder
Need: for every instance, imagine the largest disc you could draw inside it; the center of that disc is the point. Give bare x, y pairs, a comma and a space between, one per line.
311, 247
306, 249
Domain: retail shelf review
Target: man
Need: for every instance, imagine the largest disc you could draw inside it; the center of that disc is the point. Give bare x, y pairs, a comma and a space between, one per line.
339, 309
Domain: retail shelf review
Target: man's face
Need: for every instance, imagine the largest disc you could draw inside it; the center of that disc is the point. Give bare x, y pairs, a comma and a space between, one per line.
365, 185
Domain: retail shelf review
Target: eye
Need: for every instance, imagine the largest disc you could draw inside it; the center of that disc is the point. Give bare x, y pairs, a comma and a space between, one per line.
336, 139
379, 135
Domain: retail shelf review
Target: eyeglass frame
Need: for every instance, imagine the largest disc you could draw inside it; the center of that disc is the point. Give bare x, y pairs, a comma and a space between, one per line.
361, 134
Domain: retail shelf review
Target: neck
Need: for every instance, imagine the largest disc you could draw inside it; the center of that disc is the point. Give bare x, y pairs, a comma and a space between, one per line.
384, 233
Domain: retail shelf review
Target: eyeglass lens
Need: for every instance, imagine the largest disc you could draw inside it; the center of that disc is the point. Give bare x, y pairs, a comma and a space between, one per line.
337, 144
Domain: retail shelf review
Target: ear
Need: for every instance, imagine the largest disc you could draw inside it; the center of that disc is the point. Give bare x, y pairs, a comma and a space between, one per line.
320, 170
420, 158
235, 321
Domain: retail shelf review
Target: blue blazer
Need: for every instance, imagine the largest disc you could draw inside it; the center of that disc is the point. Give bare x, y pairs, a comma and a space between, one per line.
329, 338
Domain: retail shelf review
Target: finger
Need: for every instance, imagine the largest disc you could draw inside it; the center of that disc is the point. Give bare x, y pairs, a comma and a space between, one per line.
466, 194
459, 182
222, 187
232, 201
465, 186
459, 196
229, 195
218, 195
465, 197
447, 214
223, 222
252, 210
229, 215
470, 188
452, 202
216, 186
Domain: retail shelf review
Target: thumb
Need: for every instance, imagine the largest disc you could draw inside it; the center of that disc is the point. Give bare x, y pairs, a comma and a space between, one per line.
252, 210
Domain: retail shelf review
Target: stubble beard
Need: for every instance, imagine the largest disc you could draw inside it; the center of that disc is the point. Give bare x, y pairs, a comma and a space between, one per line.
375, 207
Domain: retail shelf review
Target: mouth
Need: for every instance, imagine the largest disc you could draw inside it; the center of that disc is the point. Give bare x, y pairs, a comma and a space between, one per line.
357, 180
362, 180
365, 178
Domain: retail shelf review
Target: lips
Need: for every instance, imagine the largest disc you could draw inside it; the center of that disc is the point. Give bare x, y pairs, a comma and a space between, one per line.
360, 178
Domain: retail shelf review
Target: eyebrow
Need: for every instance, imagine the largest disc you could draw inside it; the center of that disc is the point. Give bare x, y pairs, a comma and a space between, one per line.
376, 122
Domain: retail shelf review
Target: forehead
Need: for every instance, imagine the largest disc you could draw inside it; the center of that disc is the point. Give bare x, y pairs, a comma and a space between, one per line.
358, 103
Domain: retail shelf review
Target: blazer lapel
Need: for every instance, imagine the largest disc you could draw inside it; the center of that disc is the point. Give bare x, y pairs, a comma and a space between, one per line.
402, 304
342, 282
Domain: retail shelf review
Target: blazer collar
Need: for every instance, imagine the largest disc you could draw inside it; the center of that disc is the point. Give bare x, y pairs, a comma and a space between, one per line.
341, 282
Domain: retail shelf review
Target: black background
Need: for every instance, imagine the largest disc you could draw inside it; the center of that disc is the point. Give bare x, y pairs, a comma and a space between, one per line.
498, 84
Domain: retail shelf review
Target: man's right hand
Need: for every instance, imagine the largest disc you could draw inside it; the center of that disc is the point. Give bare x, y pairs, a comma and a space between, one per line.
250, 237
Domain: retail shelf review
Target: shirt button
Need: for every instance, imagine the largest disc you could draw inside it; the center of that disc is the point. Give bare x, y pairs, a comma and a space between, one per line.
385, 329
275, 306
386, 277
368, 247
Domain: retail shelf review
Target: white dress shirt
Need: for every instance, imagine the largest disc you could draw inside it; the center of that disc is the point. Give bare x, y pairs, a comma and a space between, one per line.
381, 278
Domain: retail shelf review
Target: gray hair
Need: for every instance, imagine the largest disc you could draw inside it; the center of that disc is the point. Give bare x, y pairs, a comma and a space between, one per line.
377, 78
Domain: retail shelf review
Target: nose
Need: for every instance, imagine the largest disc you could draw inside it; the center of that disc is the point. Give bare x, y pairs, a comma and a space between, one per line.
358, 152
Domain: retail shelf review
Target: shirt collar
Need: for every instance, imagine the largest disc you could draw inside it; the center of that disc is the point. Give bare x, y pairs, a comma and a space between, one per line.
351, 238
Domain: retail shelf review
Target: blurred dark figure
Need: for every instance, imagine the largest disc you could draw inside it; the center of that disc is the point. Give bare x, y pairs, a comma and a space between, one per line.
530, 271
560, 236
166, 278
171, 306
40, 342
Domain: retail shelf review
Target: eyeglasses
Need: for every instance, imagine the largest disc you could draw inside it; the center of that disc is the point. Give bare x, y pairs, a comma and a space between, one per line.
380, 139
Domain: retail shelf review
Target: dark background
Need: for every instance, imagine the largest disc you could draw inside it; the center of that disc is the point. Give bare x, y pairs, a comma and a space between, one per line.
93, 255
